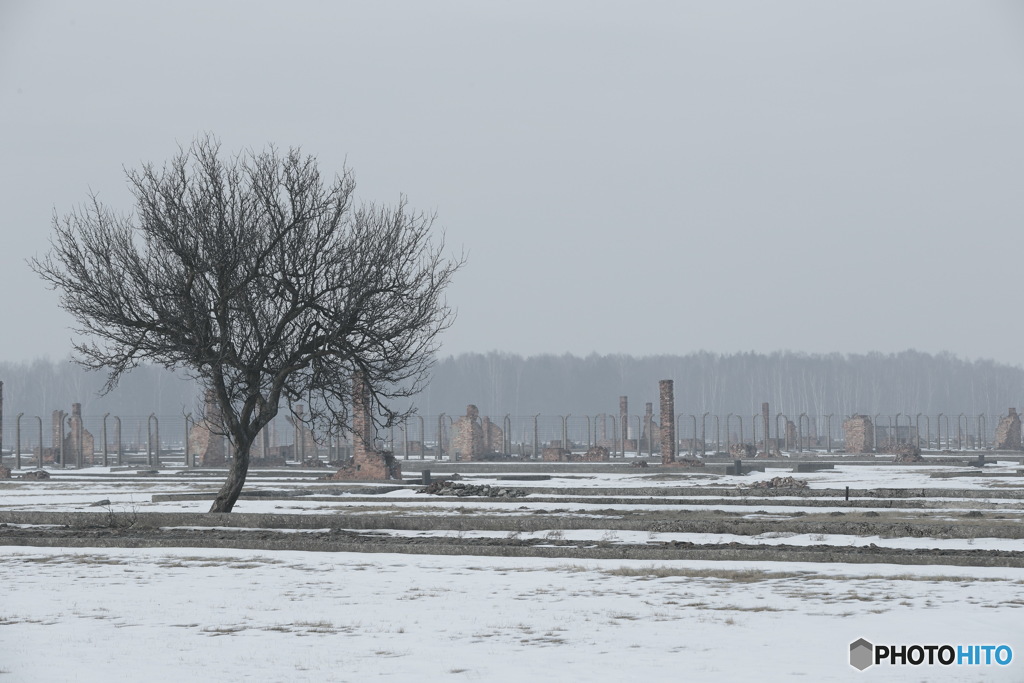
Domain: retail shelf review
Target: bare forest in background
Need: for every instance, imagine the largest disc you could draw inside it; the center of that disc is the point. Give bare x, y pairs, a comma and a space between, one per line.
502, 383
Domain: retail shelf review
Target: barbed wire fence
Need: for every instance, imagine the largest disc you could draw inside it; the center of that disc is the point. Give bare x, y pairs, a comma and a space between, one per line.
151, 439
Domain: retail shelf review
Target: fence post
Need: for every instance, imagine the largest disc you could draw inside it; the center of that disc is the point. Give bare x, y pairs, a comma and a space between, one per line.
105, 415
17, 441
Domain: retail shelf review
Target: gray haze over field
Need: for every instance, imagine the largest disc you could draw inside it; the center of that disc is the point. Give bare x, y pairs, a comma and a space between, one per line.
639, 178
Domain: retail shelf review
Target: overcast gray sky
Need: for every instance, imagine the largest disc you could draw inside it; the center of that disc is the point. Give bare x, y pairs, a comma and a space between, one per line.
642, 177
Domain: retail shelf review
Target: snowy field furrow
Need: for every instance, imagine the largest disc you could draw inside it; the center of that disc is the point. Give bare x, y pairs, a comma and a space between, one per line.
172, 615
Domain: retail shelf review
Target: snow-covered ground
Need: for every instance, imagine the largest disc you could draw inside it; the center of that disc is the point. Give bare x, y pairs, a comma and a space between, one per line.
234, 615
71, 490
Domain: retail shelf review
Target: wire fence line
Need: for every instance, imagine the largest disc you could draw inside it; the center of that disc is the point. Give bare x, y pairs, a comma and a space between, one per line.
130, 439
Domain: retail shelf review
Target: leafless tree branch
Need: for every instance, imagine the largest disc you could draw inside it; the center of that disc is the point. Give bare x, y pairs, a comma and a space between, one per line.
261, 278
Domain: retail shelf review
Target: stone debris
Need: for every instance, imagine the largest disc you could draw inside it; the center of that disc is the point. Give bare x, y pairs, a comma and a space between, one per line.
313, 463
36, 475
684, 462
638, 463
743, 450
555, 455
904, 452
594, 454
779, 483
5, 472
450, 488
275, 460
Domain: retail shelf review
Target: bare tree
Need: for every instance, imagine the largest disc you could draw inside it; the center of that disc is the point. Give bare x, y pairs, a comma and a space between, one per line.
261, 280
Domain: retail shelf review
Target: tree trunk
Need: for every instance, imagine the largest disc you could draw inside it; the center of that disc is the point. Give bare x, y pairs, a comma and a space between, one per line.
232, 488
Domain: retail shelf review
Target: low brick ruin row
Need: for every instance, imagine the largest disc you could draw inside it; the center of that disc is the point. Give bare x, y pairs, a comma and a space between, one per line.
681, 440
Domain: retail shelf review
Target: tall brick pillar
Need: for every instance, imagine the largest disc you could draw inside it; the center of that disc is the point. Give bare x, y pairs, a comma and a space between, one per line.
623, 422
766, 422
666, 394
76, 433
362, 423
648, 430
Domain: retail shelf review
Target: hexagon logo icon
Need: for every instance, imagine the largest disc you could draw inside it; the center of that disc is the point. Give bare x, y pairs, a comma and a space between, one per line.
861, 654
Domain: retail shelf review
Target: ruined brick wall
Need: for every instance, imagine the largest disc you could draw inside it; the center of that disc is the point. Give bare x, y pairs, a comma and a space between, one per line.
68, 431
791, 434
1008, 432
476, 439
493, 438
859, 434
206, 439
367, 462
469, 435
80, 442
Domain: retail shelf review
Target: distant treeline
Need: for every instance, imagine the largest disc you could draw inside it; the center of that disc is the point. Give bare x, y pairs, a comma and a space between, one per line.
794, 383
502, 383
42, 386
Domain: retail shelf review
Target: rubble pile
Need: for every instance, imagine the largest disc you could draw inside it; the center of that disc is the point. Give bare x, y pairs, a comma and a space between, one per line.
685, 462
450, 488
595, 454
904, 452
270, 461
780, 483
313, 463
36, 475
743, 450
